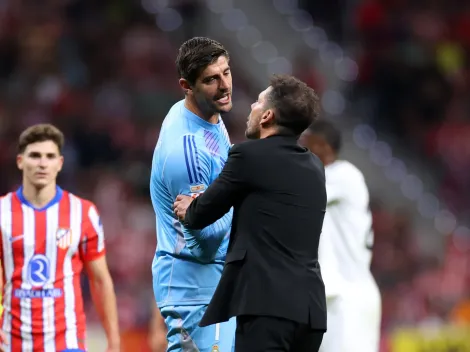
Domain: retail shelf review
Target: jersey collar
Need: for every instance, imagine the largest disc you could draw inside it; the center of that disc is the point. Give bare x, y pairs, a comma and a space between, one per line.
58, 196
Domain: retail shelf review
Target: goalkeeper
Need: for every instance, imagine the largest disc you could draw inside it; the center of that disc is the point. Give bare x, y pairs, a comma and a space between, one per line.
190, 153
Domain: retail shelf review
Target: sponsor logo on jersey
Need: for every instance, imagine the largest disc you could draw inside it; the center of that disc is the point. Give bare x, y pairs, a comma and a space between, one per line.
38, 270
197, 188
38, 274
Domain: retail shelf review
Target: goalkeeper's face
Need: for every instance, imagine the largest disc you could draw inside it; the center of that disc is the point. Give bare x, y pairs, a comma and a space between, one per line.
213, 88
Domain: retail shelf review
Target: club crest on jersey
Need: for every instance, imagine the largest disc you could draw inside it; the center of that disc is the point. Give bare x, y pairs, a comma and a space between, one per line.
197, 188
64, 238
215, 348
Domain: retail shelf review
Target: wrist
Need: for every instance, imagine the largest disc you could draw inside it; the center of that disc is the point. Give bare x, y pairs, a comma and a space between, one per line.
114, 340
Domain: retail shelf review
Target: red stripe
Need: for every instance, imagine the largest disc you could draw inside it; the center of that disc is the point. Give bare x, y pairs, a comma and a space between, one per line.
59, 307
37, 311
17, 279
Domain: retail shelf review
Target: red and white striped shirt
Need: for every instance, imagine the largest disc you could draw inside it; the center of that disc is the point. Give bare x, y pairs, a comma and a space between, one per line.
42, 254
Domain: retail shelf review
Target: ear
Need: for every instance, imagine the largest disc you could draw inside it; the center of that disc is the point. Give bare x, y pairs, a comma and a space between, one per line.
61, 162
19, 161
267, 118
185, 85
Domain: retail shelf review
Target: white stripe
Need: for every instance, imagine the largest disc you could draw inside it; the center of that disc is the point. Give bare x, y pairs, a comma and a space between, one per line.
217, 332
6, 223
70, 316
95, 221
225, 132
28, 245
52, 224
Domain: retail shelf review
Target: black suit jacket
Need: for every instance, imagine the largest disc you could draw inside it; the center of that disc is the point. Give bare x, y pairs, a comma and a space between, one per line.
277, 189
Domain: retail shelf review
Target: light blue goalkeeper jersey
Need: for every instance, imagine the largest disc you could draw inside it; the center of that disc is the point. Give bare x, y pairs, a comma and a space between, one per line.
189, 155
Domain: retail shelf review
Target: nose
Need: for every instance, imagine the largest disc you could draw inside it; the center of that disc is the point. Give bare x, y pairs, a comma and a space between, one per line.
43, 162
224, 84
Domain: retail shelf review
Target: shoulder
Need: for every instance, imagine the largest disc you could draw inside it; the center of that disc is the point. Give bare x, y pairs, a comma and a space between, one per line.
342, 173
344, 169
6, 196
86, 206
315, 159
186, 146
175, 110
242, 147
5, 202
248, 147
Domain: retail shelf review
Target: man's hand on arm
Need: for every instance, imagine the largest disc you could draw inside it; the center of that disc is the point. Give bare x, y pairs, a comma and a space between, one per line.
180, 206
219, 197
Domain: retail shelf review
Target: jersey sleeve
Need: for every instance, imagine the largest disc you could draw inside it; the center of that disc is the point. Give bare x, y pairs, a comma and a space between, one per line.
187, 167
187, 171
92, 244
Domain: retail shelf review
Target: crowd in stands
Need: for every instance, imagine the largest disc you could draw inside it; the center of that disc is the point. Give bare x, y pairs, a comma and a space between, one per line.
414, 59
104, 74
413, 85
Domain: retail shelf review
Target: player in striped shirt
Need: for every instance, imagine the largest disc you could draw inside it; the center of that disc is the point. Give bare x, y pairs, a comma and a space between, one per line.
190, 153
48, 236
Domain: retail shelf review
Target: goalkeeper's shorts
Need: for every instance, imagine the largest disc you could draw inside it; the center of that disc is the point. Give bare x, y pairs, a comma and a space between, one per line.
185, 335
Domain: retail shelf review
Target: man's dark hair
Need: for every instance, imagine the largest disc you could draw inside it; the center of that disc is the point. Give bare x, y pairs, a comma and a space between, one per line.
296, 105
40, 133
330, 132
196, 54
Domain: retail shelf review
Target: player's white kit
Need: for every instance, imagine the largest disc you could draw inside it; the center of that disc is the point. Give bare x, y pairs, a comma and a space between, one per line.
345, 253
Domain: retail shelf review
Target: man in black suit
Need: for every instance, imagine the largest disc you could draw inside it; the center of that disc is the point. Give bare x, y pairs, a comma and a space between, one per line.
271, 280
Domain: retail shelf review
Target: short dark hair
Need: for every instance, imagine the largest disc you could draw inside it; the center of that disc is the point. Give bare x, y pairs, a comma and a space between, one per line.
40, 133
330, 132
196, 54
296, 105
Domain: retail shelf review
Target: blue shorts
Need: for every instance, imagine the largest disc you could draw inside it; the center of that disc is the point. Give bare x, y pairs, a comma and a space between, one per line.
184, 334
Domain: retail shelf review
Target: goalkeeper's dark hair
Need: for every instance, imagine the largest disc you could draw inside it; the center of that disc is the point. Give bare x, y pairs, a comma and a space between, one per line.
330, 132
196, 54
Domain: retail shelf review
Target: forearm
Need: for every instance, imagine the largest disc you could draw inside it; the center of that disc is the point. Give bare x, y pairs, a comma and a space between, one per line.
104, 299
205, 243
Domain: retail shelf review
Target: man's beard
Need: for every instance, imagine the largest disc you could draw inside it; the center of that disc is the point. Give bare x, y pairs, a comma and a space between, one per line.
252, 133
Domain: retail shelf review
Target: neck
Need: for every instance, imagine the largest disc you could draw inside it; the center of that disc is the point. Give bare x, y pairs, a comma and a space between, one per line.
275, 130
328, 160
191, 105
38, 197
268, 132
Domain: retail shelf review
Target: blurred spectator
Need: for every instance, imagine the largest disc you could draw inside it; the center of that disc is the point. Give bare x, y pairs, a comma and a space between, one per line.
414, 73
103, 73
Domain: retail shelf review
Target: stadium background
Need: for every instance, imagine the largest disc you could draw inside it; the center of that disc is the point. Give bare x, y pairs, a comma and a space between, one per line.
394, 74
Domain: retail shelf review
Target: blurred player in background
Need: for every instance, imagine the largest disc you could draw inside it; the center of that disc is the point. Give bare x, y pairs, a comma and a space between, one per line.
190, 153
345, 251
48, 235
